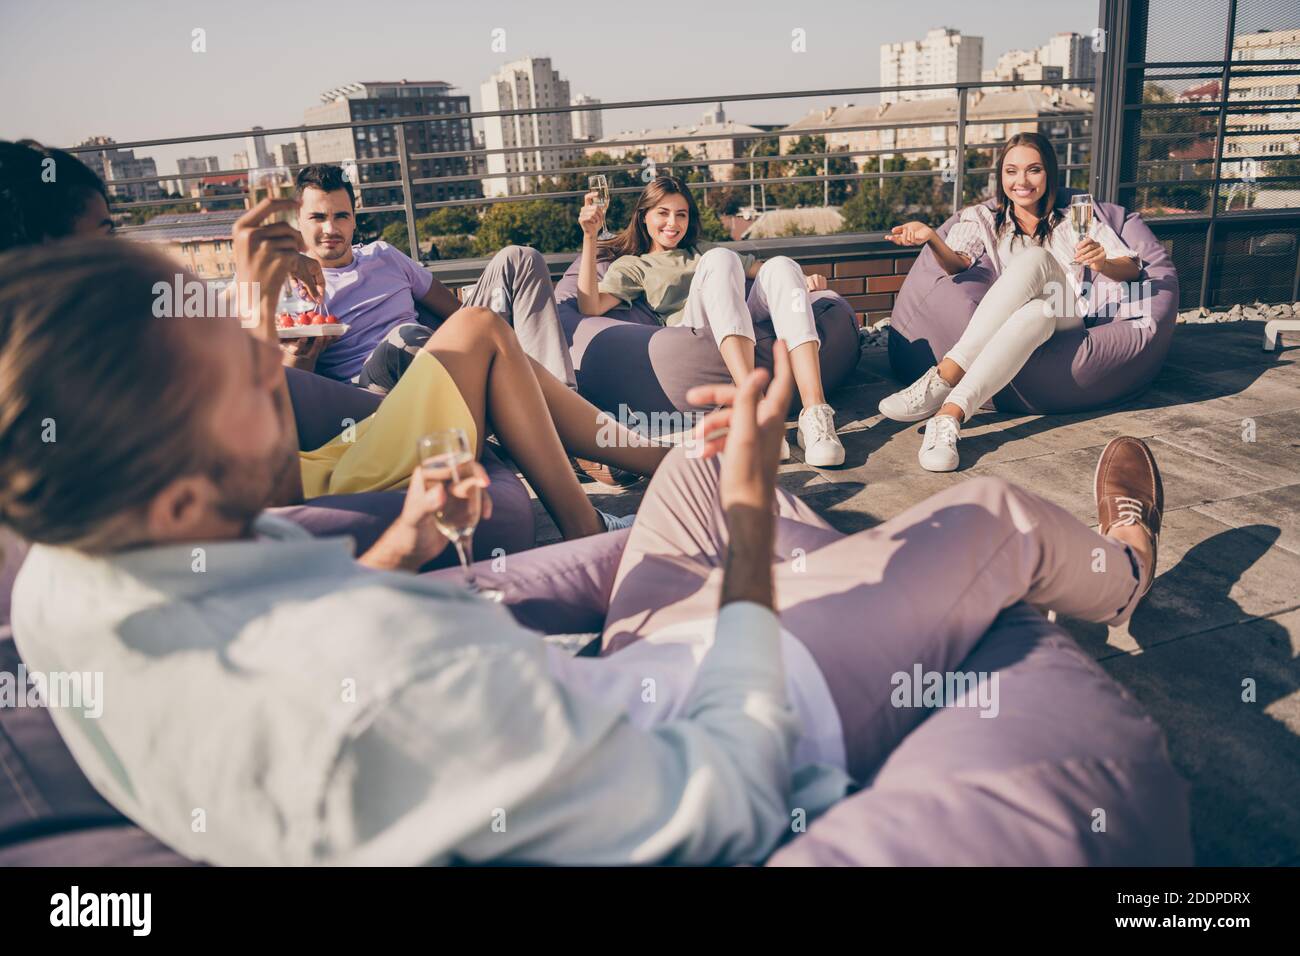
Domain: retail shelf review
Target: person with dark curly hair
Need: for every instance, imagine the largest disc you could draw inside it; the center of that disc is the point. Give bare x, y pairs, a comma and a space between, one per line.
47, 194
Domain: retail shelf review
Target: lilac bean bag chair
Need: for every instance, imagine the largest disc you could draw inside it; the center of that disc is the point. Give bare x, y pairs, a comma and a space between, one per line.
1105, 364
626, 357
319, 406
1070, 772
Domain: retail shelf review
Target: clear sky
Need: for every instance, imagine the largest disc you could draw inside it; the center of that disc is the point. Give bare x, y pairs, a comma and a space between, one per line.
75, 68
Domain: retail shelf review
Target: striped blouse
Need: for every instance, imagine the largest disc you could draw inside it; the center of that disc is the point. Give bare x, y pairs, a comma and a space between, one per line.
973, 235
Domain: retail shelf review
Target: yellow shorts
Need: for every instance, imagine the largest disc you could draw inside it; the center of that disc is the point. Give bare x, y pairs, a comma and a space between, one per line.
379, 453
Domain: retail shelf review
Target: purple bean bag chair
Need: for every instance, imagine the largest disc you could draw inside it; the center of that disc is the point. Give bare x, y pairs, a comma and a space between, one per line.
1023, 789
319, 407
626, 357
1105, 364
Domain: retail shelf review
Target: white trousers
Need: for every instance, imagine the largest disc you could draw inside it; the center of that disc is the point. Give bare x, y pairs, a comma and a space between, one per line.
717, 299
1030, 301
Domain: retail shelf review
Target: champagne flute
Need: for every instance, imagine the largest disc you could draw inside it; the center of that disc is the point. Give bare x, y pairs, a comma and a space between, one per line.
446, 459
274, 182
600, 184
1081, 215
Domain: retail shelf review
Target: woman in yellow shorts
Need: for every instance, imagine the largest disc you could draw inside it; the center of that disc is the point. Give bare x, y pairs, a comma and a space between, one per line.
473, 374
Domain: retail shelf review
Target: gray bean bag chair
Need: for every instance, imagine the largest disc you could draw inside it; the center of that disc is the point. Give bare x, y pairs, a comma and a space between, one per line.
320, 405
1105, 364
626, 357
1070, 772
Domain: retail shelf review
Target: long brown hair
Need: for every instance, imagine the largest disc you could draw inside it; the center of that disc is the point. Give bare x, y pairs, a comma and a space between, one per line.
1048, 214
634, 239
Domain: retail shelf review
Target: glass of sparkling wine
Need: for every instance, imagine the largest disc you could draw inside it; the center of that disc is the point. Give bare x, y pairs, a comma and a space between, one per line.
275, 182
1081, 215
445, 459
600, 184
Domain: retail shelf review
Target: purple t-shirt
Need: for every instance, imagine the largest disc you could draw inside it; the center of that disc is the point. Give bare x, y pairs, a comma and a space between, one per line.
374, 293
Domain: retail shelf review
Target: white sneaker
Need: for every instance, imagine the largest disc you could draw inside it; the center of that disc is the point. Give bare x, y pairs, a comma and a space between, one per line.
785, 450
919, 400
821, 446
939, 447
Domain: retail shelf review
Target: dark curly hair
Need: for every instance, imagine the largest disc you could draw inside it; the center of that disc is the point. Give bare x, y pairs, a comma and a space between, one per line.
35, 206
326, 178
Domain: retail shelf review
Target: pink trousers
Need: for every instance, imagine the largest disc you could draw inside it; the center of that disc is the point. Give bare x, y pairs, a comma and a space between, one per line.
921, 588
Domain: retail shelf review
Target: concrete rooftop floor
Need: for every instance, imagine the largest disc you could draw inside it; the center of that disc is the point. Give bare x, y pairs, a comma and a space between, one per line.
1226, 602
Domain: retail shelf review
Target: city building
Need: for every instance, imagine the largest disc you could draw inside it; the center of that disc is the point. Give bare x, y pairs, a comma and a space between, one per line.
286, 154
1073, 53
588, 125
112, 164
1023, 66
222, 192
198, 240
723, 139
371, 100
936, 118
541, 140
187, 166
830, 118
1256, 135
1065, 56
258, 155
944, 56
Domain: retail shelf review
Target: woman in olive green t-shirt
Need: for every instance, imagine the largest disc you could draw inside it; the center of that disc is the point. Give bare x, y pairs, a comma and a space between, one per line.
702, 285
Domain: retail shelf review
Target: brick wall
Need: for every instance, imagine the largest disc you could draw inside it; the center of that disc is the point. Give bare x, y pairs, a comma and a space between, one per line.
869, 284
868, 275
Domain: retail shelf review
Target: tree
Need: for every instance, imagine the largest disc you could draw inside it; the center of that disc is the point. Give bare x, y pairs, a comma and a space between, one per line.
813, 194
543, 224
1179, 193
725, 200
620, 204
449, 221
897, 199
395, 235
455, 247
711, 227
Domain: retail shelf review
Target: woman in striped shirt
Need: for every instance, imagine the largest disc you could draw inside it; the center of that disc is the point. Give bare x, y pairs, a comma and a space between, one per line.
1039, 261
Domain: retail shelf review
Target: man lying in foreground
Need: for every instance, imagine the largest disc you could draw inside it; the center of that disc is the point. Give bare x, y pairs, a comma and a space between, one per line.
319, 711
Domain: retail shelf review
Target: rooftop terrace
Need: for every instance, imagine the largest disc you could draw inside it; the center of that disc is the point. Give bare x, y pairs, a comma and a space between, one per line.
1226, 602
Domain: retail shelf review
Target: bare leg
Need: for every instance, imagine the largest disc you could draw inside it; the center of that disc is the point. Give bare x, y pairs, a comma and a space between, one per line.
805, 363
587, 432
738, 354
951, 372
495, 377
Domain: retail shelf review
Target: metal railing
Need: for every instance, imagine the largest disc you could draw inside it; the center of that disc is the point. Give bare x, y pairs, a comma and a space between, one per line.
406, 181
1104, 150
1123, 109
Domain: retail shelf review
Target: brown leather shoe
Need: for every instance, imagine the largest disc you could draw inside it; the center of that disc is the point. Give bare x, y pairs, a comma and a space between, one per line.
1129, 492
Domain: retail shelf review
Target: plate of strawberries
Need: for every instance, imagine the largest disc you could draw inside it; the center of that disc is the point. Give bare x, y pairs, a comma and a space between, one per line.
310, 324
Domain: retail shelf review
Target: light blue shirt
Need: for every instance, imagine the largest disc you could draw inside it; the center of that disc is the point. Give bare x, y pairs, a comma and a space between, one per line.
271, 701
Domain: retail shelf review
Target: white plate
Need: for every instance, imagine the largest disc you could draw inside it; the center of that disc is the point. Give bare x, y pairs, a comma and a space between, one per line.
312, 331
